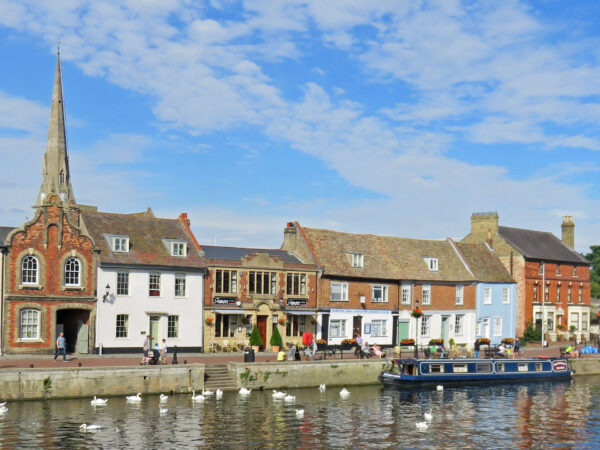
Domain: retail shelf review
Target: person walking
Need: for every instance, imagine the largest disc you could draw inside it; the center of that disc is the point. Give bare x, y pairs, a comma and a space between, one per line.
61, 347
517, 347
145, 347
163, 351
477, 348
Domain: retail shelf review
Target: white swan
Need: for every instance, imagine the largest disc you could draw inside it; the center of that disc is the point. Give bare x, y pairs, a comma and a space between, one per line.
421, 426
279, 395
163, 410
344, 392
299, 413
219, 394
99, 401
134, 398
322, 387
428, 416
289, 398
274, 392
164, 398
83, 427
2, 403
3, 409
244, 391
207, 393
439, 387
197, 398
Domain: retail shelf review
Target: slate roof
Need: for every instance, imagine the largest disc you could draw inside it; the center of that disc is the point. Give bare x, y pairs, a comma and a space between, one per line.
237, 253
540, 245
146, 234
484, 264
385, 257
4, 231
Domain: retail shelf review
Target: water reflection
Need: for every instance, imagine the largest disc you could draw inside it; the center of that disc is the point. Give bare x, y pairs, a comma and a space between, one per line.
531, 415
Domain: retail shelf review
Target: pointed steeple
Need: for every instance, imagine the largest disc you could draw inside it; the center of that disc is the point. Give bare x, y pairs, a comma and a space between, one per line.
56, 178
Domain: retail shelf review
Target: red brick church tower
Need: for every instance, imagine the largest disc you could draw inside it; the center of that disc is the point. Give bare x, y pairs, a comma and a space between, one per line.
51, 262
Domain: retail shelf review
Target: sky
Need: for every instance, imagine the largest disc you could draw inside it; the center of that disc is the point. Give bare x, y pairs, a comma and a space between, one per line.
386, 117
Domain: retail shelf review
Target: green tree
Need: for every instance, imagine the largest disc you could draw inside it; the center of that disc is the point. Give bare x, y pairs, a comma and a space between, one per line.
594, 258
255, 338
276, 337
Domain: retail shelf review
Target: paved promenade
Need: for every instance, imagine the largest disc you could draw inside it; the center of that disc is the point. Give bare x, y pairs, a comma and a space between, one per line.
46, 361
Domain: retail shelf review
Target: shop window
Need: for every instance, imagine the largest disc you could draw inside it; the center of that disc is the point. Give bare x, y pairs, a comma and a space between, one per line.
337, 328
295, 325
296, 284
225, 281
225, 325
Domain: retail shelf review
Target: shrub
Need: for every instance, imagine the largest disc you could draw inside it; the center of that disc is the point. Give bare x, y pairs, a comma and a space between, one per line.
276, 337
439, 341
255, 338
532, 333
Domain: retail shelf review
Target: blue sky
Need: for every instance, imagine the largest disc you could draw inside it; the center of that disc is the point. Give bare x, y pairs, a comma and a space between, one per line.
388, 117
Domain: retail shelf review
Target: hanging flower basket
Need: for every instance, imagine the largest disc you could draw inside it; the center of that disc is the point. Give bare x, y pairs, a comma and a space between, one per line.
407, 342
508, 341
281, 321
209, 321
416, 313
483, 341
245, 321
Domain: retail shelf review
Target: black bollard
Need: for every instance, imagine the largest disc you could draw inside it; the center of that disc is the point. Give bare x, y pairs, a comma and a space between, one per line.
175, 356
79, 364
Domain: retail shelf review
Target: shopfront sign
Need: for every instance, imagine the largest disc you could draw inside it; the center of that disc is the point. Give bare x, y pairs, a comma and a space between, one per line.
296, 302
224, 300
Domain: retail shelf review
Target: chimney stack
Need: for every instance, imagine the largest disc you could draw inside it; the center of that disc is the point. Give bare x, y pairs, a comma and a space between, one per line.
568, 231
484, 224
289, 237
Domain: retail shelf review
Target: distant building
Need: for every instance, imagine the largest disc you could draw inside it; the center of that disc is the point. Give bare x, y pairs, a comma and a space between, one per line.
553, 280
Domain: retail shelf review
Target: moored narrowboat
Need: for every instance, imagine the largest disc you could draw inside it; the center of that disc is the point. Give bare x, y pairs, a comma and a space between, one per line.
418, 372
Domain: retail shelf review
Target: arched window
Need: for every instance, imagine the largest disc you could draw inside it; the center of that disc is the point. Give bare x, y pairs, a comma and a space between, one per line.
29, 270
30, 324
72, 272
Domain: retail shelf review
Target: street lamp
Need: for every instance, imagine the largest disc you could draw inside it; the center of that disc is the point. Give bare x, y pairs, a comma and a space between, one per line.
416, 330
105, 296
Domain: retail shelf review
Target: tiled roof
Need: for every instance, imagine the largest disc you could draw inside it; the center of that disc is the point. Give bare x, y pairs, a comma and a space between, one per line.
484, 264
385, 257
147, 235
540, 245
4, 231
237, 253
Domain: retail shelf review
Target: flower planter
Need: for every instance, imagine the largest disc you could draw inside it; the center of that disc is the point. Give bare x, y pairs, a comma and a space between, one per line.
321, 347
275, 348
256, 348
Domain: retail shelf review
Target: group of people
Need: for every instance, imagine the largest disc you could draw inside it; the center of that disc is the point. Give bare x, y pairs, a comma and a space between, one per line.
365, 350
158, 352
503, 350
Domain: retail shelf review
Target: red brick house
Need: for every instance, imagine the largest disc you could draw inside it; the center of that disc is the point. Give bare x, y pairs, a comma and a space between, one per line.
50, 263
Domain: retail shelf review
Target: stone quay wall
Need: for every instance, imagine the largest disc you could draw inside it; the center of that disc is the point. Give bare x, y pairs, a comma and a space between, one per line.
39, 384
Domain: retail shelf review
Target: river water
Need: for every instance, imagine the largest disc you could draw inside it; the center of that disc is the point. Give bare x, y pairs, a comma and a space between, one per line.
502, 416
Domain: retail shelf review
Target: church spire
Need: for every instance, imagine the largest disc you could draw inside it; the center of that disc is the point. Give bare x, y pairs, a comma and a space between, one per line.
56, 178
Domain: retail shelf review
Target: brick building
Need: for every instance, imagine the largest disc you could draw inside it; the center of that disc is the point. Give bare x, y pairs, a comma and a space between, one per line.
50, 270
264, 287
542, 265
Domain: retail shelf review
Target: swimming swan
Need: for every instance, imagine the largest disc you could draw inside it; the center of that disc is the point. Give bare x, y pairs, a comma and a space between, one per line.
244, 391
164, 398
322, 387
344, 392
289, 398
299, 413
197, 398
207, 393
134, 398
421, 426
86, 428
99, 401
428, 416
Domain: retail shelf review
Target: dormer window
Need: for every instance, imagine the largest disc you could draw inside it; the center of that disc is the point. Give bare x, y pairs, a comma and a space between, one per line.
358, 260
432, 263
120, 244
178, 248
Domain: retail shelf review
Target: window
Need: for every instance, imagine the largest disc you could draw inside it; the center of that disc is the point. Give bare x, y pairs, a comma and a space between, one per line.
337, 328
574, 271
460, 292
378, 328
478, 328
358, 260
432, 263
558, 269
380, 294
154, 285
120, 244
458, 324
523, 367
436, 368
339, 292
29, 270
569, 295
262, 282
483, 368
550, 322
178, 249
173, 326
584, 321
180, 285
575, 320
547, 293
506, 295
425, 322
426, 294
487, 296
225, 281
580, 295
295, 325
29, 328
122, 325
558, 294
406, 294
296, 284
541, 268
123, 283
72, 272
535, 293
225, 325
497, 326
459, 368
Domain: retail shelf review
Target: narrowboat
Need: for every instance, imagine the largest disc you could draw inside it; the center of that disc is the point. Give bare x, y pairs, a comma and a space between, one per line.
419, 372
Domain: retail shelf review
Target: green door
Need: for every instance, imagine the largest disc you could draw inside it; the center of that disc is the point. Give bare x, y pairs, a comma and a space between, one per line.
81, 346
402, 330
154, 321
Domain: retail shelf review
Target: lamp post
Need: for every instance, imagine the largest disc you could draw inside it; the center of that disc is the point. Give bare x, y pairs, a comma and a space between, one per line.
106, 294
416, 330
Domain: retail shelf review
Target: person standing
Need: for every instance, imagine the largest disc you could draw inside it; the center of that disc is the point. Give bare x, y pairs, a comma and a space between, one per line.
477, 347
314, 349
517, 346
145, 347
61, 347
163, 351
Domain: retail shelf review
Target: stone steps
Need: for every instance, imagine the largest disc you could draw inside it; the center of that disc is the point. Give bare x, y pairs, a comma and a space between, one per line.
217, 376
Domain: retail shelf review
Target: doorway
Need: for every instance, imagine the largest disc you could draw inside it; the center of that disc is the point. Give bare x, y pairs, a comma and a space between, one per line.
403, 330
75, 324
356, 326
325, 326
261, 324
486, 327
444, 333
154, 329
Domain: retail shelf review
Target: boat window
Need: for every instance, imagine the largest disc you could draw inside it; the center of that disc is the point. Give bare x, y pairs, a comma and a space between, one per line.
482, 368
500, 367
459, 368
538, 367
523, 367
436, 368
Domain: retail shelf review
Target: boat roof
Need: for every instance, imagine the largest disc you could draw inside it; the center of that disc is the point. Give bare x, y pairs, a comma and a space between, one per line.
470, 360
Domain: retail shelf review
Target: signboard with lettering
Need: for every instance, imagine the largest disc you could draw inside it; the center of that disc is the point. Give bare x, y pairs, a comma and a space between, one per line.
224, 300
296, 302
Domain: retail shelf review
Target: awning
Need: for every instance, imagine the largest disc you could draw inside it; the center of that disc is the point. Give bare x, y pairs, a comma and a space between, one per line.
229, 311
301, 313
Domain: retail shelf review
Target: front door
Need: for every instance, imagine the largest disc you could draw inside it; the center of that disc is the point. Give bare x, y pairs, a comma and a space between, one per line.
356, 323
261, 324
325, 326
154, 327
402, 330
81, 346
486, 327
444, 328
